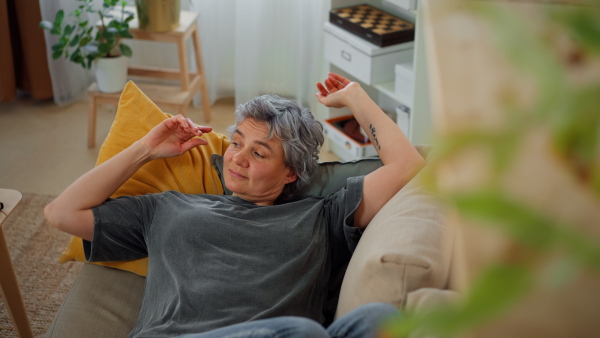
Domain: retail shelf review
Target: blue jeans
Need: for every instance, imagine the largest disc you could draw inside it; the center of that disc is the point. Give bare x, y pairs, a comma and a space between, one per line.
359, 323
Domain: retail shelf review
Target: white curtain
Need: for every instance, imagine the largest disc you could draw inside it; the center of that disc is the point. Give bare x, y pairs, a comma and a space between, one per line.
69, 80
253, 47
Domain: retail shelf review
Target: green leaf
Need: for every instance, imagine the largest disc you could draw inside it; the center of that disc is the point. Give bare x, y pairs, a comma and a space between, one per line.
58, 19
582, 24
596, 179
56, 30
125, 34
125, 50
89, 59
497, 288
58, 47
494, 291
521, 223
85, 41
528, 226
74, 41
68, 30
104, 48
75, 54
56, 54
576, 130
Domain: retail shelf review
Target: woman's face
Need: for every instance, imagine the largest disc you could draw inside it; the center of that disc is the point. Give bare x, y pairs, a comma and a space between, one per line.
254, 167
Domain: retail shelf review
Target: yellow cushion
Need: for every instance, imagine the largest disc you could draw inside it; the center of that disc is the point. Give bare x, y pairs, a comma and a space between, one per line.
190, 173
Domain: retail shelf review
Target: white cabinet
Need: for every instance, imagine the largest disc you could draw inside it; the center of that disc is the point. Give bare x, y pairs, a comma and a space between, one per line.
365, 61
375, 68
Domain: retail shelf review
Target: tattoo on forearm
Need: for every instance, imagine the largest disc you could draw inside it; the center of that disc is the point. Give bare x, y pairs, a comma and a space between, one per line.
374, 136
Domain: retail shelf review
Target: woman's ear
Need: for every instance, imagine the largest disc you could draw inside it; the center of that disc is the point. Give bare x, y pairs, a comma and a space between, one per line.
291, 175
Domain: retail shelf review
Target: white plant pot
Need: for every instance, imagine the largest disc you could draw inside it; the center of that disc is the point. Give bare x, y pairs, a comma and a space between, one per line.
111, 74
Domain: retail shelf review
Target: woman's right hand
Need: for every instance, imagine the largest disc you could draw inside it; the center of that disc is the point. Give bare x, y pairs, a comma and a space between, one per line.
173, 137
71, 211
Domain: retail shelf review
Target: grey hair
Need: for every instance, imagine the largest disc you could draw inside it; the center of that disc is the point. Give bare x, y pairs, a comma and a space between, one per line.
301, 135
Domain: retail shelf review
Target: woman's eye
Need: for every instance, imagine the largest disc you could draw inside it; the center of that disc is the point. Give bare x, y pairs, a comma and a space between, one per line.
258, 155
235, 144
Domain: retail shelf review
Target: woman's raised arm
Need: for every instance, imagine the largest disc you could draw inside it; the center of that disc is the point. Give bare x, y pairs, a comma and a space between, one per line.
401, 161
71, 210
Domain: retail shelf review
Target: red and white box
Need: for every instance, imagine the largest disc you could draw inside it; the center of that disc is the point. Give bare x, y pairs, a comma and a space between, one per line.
344, 146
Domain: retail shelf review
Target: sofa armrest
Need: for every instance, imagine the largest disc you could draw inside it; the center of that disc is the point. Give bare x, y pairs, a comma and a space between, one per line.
406, 247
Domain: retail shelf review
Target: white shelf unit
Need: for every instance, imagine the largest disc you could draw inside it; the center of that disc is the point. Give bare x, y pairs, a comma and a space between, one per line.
382, 87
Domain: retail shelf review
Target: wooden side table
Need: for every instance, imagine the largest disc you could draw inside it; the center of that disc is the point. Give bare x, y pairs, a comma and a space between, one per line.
165, 96
8, 280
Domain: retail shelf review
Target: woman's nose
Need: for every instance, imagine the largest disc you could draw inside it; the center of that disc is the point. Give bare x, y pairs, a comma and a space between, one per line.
240, 159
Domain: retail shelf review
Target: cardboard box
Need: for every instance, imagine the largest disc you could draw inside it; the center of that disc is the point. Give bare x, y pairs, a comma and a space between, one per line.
347, 148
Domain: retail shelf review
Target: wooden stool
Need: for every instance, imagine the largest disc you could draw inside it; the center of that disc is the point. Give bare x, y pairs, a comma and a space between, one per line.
165, 96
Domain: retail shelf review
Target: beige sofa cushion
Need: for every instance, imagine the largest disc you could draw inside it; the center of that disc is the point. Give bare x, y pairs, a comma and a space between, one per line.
405, 247
103, 302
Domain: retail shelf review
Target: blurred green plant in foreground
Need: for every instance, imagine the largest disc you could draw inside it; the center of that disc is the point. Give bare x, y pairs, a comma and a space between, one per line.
570, 111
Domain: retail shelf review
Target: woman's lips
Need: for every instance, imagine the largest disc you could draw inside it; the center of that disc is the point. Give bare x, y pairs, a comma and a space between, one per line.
236, 174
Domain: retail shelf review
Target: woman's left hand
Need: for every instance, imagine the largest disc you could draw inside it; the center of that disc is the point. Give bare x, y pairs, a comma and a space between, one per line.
336, 91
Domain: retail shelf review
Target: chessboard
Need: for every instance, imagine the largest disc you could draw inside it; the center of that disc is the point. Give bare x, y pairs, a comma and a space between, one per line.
372, 24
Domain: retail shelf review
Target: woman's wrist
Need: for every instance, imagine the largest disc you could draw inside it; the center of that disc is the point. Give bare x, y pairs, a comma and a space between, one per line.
142, 152
356, 97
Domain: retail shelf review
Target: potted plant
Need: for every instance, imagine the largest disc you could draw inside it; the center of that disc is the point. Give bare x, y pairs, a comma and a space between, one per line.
84, 43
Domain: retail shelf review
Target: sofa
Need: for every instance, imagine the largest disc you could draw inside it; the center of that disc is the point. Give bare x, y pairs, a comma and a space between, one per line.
403, 257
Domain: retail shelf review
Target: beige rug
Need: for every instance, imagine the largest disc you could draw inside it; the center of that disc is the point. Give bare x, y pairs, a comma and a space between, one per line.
35, 248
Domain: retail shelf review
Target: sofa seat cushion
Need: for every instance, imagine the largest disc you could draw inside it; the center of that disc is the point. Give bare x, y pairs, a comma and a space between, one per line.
103, 302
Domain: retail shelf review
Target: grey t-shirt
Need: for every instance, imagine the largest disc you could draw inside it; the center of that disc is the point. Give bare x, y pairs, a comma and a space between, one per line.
217, 260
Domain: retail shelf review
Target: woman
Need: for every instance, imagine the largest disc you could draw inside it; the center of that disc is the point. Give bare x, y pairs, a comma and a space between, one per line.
257, 262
